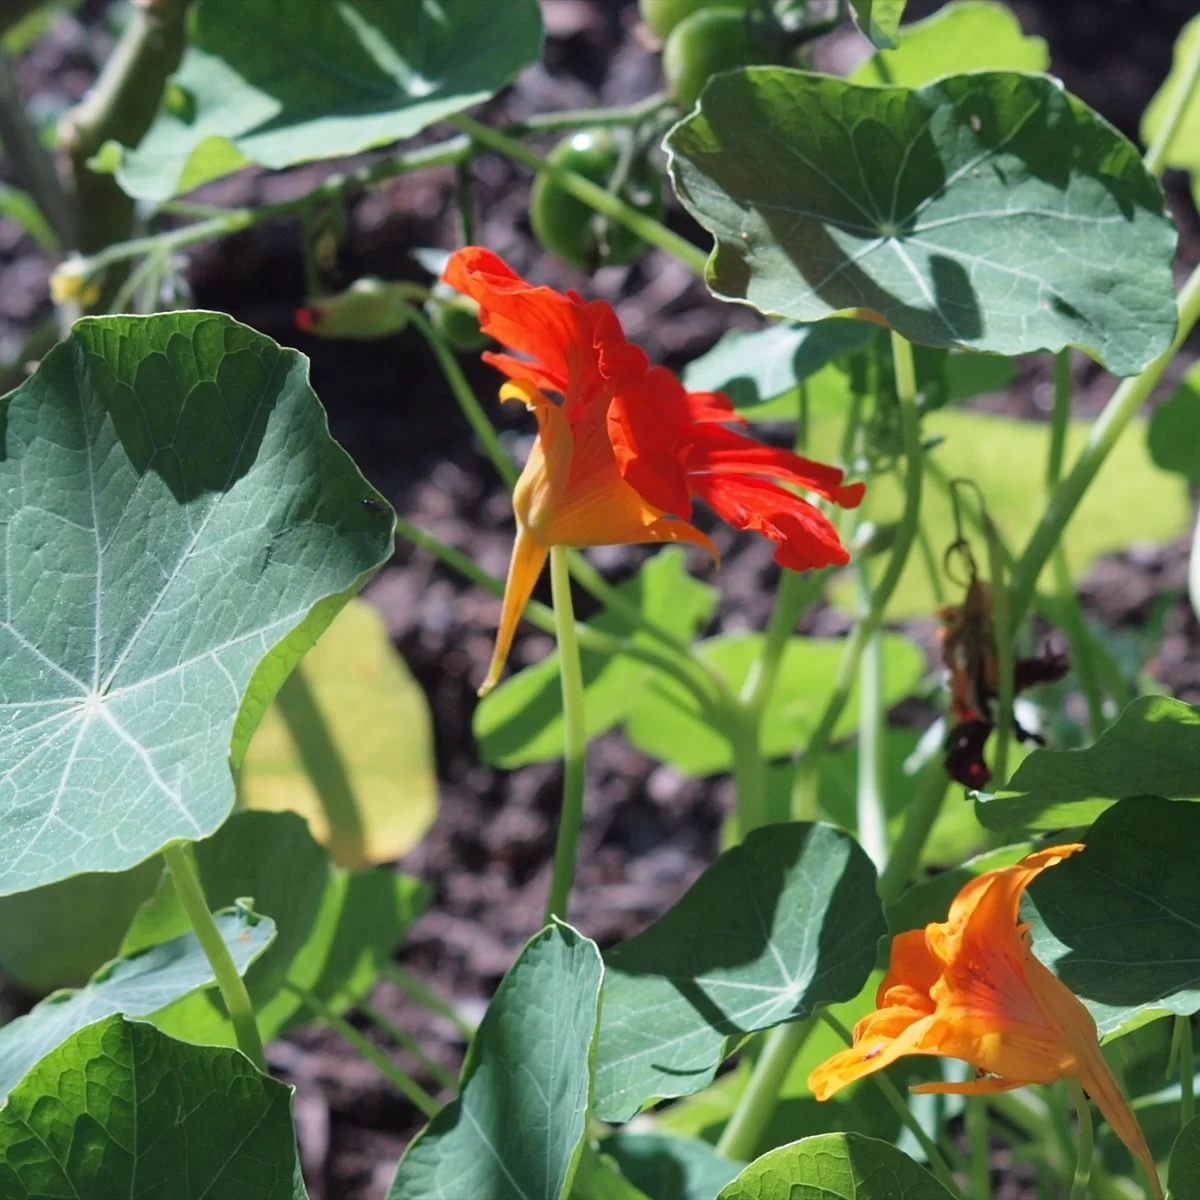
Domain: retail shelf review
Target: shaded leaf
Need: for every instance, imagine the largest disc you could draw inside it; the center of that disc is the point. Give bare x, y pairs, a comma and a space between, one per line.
970, 35
778, 925
1183, 1172
335, 928
599, 1178
180, 528
991, 210
835, 1166
348, 745
120, 1109
321, 80
878, 19
1152, 749
521, 720
136, 986
1119, 922
516, 1131
670, 1168
666, 724
1184, 151
1173, 431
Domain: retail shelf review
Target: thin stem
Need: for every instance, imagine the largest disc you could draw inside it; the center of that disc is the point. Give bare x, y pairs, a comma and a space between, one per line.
1004, 654
930, 789
796, 592
570, 819
1083, 1160
231, 985
1187, 1071
743, 1134
561, 122
1117, 414
749, 772
406, 1041
871, 817
892, 1094
466, 202
931, 567
980, 1162
1156, 153
425, 996
405, 1083
589, 193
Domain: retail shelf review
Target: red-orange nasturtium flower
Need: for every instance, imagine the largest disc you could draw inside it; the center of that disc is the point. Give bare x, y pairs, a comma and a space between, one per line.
622, 447
970, 987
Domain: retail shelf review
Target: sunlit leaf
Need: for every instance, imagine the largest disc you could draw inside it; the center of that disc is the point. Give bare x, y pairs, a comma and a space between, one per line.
120, 1109
321, 80
878, 19
136, 986
1119, 922
835, 1166
180, 527
991, 210
777, 926
335, 927
970, 35
1153, 749
348, 745
1184, 151
1173, 431
517, 1129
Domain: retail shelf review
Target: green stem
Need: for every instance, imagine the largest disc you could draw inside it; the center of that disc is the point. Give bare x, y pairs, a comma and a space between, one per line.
807, 771
1187, 1071
929, 791
589, 193
743, 1134
796, 592
570, 819
749, 772
1083, 1161
231, 985
1117, 414
406, 1041
1156, 154
980, 1163
931, 567
892, 1094
1004, 654
425, 996
871, 817
405, 1083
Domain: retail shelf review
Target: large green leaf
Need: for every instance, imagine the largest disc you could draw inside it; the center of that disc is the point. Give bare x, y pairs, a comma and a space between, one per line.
516, 1131
1184, 151
1153, 749
670, 1168
180, 528
1119, 922
335, 927
665, 721
348, 744
993, 211
521, 721
121, 1109
321, 80
878, 19
1183, 1173
778, 925
970, 35
1173, 431
835, 1166
136, 986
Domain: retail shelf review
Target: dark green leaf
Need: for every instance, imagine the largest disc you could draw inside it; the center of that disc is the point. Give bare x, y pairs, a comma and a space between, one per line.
321, 80
599, 1178
666, 724
670, 1168
835, 1166
121, 1109
335, 927
1173, 434
136, 986
1119, 922
521, 721
1183, 1173
180, 528
878, 19
777, 926
992, 211
516, 1131
1153, 749
971, 35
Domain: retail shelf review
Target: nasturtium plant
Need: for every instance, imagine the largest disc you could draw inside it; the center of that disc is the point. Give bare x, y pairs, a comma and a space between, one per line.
878, 19
1184, 149
162, 478
1173, 431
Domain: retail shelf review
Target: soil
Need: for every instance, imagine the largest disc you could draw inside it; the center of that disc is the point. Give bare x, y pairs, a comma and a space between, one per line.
648, 832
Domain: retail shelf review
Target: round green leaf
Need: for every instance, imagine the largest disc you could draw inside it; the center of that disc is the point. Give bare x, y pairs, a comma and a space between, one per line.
1152, 749
137, 986
1173, 431
971, 35
321, 80
180, 528
517, 1129
835, 1166
777, 926
993, 211
1183, 1172
120, 1109
1119, 922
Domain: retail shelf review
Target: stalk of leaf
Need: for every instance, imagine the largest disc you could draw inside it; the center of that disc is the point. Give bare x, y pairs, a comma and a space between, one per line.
416, 990
406, 1041
1004, 653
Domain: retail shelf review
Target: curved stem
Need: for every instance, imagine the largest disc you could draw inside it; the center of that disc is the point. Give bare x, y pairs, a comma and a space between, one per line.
870, 814
570, 819
406, 1041
232, 986
749, 772
922, 811
980, 1163
1004, 654
1156, 154
426, 997
1083, 1161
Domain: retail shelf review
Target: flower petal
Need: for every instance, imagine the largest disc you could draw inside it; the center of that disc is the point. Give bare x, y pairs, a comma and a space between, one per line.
644, 439
528, 559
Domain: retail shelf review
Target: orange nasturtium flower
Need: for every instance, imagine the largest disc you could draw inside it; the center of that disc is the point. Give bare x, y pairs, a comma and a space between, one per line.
970, 988
622, 447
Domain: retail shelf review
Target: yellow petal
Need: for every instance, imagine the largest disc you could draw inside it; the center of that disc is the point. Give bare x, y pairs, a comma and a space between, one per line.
528, 559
